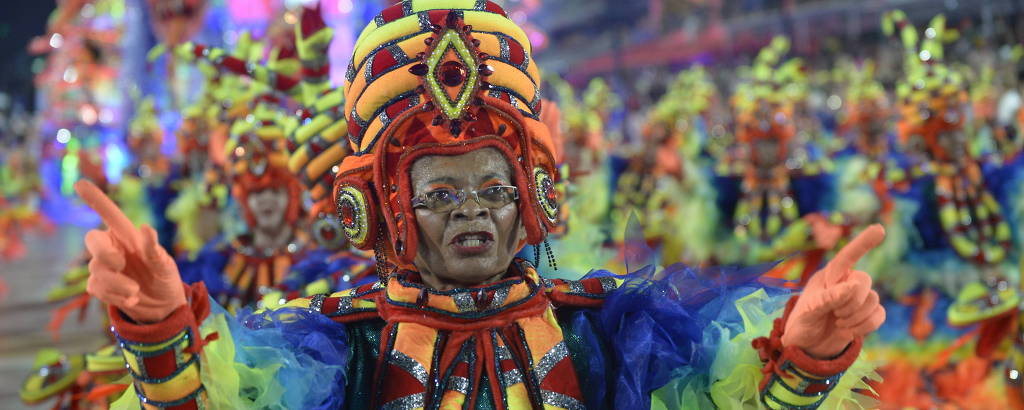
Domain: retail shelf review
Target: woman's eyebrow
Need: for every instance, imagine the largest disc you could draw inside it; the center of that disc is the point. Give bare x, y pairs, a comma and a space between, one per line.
492, 177
442, 181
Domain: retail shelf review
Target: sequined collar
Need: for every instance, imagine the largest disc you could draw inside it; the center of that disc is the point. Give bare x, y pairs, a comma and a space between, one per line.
406, 290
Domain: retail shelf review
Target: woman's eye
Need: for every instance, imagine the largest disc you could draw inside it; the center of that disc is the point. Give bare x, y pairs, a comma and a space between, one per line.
494, 193
440, 195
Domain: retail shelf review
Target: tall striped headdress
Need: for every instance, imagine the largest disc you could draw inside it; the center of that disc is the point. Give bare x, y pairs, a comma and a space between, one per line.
439, 77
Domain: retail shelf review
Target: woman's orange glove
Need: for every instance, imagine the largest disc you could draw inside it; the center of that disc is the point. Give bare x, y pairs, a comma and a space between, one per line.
837, 305
129, 269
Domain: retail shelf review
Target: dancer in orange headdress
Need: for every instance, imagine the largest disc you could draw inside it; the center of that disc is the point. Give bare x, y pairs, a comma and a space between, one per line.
965, 248
771, 218
451, 173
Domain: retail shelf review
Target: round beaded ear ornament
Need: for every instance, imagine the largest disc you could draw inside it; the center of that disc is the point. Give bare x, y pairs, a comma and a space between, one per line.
547, 195
327, 232
352, 215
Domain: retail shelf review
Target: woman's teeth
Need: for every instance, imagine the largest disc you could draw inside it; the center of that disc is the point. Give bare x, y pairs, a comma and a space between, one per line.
471, 241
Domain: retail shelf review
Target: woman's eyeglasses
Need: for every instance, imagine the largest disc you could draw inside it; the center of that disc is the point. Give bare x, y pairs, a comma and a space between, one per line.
446, 200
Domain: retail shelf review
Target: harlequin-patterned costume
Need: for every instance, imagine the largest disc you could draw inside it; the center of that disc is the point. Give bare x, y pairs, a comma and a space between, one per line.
874, 174
781, 179
585, 188
443, 77
667, 183
203, 188
322, 262
234, 269
966, 251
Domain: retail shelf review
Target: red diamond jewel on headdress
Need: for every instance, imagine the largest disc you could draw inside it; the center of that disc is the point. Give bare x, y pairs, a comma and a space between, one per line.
453, 73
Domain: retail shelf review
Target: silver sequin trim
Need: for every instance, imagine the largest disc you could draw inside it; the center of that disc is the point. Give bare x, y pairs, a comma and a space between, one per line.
506, 53
464, 301
480, 5
398, 53
526, 59
344, 304
407, 8
514, 376
550, 359
350, 72
560, 400
500, 296
410, 365
425, 24
608, 284
503, 353
316, 303
459, 384
548, 283
494, 93
368, 68
576, 287
413, 401
384, 118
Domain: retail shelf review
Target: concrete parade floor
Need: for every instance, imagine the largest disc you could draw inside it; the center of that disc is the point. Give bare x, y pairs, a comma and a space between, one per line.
25, 313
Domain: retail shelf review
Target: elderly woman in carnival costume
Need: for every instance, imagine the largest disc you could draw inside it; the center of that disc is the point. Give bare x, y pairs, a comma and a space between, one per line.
451, 174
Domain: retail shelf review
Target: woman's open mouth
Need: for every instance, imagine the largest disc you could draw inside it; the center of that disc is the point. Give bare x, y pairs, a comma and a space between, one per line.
471, 243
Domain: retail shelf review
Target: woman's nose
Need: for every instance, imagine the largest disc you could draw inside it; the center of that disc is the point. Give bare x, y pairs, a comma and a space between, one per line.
470, 209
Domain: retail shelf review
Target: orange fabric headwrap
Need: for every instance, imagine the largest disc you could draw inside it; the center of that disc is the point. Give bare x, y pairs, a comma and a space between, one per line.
439, 77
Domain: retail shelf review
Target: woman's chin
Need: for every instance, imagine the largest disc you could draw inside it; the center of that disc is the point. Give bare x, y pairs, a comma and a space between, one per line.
473, 271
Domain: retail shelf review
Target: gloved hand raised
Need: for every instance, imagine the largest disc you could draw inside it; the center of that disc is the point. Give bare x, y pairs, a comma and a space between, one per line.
129, 269
837, 305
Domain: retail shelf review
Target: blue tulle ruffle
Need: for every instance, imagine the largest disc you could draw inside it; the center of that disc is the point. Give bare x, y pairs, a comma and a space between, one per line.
309, 351
207, 267
657, 327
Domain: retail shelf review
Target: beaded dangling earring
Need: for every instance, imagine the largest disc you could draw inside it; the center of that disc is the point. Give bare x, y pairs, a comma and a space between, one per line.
381, 257
551, 255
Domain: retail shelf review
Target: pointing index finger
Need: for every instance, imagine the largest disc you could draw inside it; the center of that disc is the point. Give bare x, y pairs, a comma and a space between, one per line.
848, 256
120, 226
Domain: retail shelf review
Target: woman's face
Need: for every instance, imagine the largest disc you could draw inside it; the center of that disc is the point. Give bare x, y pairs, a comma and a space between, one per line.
269, 207
471, 243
